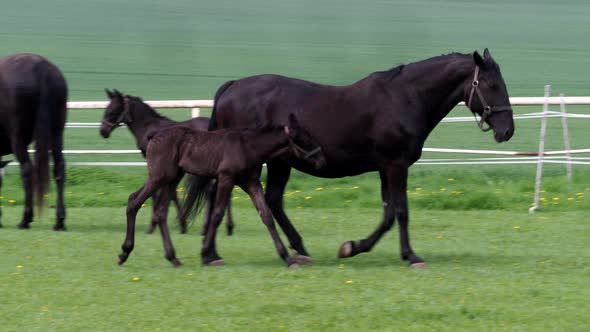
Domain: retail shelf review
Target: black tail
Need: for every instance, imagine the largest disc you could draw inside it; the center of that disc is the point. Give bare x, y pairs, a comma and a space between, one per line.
220, 91
197, 187
42, 132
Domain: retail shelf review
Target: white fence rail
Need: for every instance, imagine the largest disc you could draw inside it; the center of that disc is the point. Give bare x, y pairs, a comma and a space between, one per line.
195, 106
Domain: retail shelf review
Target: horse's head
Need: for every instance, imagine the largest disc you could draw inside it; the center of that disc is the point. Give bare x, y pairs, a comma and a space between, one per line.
117, 112
303, 145
486, 95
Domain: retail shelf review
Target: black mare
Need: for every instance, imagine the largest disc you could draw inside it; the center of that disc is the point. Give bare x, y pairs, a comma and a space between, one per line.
33, 107
377, 124
142, 120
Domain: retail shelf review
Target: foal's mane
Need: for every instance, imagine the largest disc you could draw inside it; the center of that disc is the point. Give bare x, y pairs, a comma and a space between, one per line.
143, 107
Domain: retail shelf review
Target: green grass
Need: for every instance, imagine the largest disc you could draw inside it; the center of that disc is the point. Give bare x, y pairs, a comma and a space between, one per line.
492, 266
487, 270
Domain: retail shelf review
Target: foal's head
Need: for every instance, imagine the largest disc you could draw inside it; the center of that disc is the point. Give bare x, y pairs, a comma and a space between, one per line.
117, 112
487, 96
303, 145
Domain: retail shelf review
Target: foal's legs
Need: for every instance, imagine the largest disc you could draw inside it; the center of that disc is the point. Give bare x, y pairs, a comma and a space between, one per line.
135, 201
277, 177
209, 207
181, 220
161, 213
60, 179
254, 189
26, 171
209, 254
394, 181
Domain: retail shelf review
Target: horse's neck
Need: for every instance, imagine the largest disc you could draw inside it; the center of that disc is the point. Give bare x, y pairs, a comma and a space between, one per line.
439, 86
143, 121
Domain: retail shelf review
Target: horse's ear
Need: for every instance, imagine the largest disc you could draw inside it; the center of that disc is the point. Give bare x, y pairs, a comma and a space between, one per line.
118, 94
109, 93
486, 54
478, 60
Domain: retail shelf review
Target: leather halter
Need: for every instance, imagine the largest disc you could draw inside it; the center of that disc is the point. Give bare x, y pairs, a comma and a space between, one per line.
487, 108
301, 152
124, 117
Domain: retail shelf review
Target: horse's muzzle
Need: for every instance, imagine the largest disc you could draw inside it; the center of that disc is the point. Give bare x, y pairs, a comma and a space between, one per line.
503, 135
105, 131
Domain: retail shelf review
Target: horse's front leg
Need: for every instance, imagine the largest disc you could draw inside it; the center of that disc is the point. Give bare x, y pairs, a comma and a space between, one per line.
254, 189
276, 181
134, 203
394, 180
209, 255
26, 173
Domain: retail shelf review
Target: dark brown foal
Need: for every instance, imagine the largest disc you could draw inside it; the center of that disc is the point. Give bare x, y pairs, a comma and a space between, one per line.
232, 156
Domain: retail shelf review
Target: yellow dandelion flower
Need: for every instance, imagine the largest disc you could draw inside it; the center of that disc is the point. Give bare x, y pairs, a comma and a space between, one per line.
46, 196
299, 207
28, 257
100, 193
556, 198
307, 197
450, 179
135, 279
180, 190
319, 189
579, 194
44, 309
443, 189
516, 227
11, 201
355, 187
542, 191
349, 282
143, 205
340, 266
19, 266
570, 198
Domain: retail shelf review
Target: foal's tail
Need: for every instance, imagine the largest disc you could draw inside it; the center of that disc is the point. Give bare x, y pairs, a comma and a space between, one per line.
220, 91
197, 188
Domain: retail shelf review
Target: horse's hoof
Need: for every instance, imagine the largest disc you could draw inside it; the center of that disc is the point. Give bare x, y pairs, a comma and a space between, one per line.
176, 263
149, 230
59, 228
24, 225
302, 259
217, 262
294, 266
121, 259
346, 250
418, 265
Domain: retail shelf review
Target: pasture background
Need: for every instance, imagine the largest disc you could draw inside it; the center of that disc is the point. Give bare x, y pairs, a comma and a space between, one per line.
488, 274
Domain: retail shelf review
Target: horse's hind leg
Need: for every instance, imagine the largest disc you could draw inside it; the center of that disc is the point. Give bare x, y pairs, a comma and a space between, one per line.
161, 214
229, 220
134, 203
26, 172
209, 254
254, 189
60, 179
154, 222
181, 218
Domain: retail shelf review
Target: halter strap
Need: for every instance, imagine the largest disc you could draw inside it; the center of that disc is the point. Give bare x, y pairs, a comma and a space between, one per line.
301, 152
487, 108
124, 117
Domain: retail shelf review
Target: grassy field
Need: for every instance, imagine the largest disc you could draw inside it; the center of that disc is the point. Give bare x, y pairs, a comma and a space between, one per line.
492, 266
488, 271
